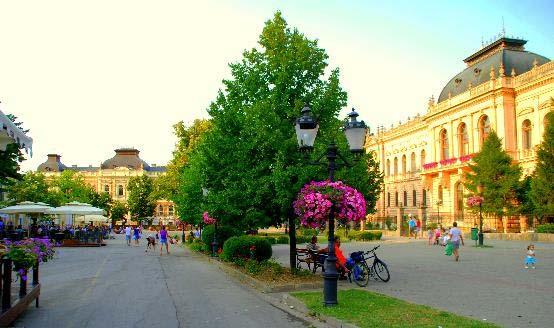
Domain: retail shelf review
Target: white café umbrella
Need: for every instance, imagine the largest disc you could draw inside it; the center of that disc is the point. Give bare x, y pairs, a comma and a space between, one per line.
76, 208
26, 207
92, 218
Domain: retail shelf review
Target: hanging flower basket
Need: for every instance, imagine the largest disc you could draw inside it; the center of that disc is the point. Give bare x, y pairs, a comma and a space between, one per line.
208, 219
314, 201
474, 201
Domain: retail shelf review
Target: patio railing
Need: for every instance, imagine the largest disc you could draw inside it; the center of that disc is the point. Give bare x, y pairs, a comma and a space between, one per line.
15, 299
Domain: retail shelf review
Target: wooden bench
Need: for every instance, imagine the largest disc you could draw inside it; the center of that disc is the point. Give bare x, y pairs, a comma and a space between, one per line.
312, 259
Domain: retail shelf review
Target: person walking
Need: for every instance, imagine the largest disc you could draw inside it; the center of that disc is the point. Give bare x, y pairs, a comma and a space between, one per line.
163, 240
128, 235
136, 235
455, 238
418, 228
412, 227
530, 259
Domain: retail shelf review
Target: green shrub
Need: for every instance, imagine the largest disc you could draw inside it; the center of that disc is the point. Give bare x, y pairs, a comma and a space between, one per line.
432, 226
239, 248
282, 240
306, 232
303, 239
545, 228
271, 240
223, 233
268, 267
197, 246
365, 235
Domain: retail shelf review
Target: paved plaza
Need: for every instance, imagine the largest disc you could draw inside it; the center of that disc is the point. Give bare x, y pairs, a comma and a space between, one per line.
120, 286
488, 283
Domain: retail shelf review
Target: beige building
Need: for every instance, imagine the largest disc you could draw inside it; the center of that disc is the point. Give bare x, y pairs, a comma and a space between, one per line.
112, 176
504, 88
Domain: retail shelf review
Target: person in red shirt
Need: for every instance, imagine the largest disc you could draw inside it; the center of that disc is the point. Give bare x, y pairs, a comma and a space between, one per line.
341, 260
418, 227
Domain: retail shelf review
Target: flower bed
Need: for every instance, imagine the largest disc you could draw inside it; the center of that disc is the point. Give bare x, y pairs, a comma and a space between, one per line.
465, 158
449, 161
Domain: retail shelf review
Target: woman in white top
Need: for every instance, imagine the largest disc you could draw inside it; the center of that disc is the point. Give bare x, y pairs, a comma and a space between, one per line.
455, 238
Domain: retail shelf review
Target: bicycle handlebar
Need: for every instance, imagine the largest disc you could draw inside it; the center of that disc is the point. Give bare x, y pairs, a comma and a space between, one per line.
373, 250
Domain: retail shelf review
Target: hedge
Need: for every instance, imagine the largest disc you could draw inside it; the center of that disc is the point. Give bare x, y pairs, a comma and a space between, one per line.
237, 249
223, 233
545, 228
365, 235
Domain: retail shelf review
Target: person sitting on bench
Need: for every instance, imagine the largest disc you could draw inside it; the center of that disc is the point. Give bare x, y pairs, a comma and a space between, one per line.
341, 260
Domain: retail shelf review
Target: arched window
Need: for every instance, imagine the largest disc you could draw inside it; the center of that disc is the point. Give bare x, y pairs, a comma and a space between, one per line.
120, 190
388, 199
422, 159
403, 164
106, 188
459, 197
414, 198
463, 139
439, 193
395, 165
443, 139
388, 167
484, 128
424, 197
526, 134
413, 163
405, 200
396, 198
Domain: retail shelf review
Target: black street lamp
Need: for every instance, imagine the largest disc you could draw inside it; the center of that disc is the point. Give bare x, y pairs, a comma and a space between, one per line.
306, 131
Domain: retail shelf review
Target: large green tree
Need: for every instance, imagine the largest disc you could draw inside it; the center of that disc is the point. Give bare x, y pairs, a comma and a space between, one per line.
71, 186
494, 170
139, 200
34, 187
118, 211
542, 184
249, 160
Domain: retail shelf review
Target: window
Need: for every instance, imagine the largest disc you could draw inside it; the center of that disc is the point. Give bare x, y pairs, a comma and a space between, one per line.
405, 198
463, 139
388, 199
395, 165
443, 139
439, 193
459, 197
424, 197
526, 135
396, 198
120, 190
412, 163
160, 210
388, 167
414, 198
484, 128
170, 210
403, 164
422, 158
107, 188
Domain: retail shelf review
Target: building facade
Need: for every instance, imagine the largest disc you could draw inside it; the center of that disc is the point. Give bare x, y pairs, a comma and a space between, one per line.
504, 88
112, 176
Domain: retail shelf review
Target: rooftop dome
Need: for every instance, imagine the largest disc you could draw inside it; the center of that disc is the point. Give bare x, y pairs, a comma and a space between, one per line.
52, 164
509, 52
126, 157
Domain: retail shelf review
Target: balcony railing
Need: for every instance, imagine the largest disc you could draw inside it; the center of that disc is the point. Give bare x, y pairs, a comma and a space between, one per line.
446, 163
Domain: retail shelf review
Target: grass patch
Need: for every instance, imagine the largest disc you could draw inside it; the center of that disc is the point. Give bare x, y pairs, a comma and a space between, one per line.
273, 272
368, 309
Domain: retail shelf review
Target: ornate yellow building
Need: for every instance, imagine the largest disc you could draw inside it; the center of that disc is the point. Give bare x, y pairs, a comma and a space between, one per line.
504, 88
112, 176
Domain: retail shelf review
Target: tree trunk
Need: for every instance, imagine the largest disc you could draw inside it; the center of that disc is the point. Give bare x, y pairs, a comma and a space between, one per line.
292, 242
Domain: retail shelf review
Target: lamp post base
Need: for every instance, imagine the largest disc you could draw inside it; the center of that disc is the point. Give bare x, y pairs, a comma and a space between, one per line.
214, 248
330, 282
480, 235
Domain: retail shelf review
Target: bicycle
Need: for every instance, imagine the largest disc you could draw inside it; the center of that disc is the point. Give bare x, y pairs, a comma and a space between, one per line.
360, 270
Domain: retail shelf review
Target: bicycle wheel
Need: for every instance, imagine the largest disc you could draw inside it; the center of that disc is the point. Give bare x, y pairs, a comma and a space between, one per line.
360, 273
380, 268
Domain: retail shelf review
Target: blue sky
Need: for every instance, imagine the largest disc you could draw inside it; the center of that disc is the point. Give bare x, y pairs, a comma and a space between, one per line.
87, 77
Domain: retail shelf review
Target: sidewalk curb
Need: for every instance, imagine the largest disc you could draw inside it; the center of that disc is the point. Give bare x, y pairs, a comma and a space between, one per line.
281, 299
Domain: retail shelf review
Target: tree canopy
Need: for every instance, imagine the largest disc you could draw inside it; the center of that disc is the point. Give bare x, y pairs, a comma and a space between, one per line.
542, 184
494, 170
249, 161
139, 200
